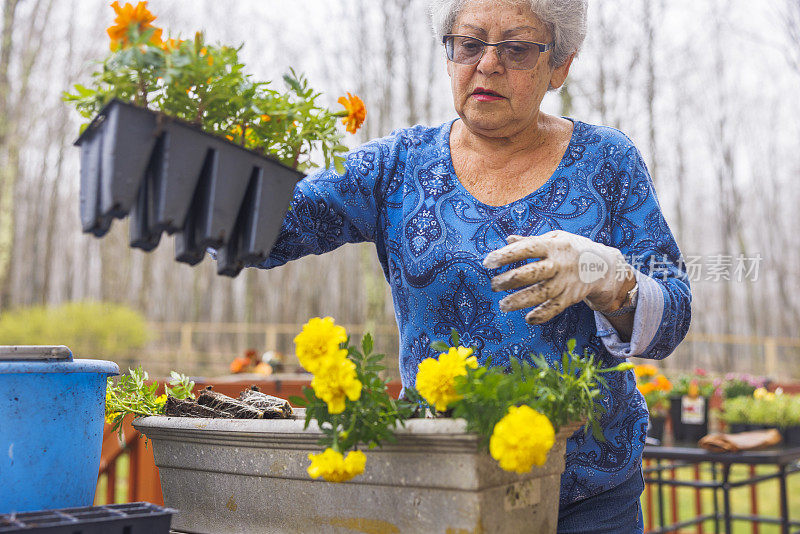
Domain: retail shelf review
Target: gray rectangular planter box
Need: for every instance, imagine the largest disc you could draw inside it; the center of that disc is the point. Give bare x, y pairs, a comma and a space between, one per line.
243, 476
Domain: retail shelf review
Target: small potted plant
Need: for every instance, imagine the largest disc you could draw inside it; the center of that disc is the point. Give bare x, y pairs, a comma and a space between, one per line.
734, 386
789, 421
736, 413
185, 141
655, 387
739, 385
689, 406
765, 409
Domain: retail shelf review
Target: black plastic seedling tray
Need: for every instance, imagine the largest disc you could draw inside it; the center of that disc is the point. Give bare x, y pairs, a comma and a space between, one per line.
170, 176
129, 518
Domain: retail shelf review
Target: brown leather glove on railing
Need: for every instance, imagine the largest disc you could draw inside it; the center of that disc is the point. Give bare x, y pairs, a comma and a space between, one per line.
743, 441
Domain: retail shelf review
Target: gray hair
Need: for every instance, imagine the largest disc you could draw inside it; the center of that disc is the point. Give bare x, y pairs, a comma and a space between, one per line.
566, 20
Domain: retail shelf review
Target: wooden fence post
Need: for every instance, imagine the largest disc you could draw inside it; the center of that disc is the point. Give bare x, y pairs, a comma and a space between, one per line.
186, 342
270, 338
770, 358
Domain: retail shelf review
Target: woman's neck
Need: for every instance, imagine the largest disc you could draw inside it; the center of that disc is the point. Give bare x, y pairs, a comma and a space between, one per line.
497, 171
500, 149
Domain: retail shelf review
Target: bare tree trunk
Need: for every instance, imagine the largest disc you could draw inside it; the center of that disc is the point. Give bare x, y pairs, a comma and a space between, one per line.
790, 17
435, 60
18, 106
565, 97
55, 191
9, 157
389, 15
601, 103
681, 195
7, 44
650, 67
732, 232
363, 57
407, 15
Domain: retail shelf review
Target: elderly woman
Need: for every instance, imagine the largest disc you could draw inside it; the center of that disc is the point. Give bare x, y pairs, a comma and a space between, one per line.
519, 229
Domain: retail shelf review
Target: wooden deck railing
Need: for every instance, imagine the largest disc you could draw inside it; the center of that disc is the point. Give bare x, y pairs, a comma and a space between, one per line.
207, 348
141, 476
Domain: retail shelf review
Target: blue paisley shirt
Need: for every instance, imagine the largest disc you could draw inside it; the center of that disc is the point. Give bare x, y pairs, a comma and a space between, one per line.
431, 235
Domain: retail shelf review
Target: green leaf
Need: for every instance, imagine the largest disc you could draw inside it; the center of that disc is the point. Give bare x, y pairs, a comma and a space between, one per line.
454, 339
338, 164
571, 345
367, 344
440, 346
298, 401
292, 82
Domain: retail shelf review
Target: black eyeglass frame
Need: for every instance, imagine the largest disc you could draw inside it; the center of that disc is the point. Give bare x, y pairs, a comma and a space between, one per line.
542, 48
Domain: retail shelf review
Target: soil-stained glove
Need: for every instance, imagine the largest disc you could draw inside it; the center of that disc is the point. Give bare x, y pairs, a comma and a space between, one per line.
571, 268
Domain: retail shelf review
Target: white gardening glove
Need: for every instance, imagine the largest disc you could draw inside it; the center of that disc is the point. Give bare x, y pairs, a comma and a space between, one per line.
572, 268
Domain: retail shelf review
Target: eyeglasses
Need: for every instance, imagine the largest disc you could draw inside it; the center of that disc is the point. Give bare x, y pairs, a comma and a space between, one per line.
515, 55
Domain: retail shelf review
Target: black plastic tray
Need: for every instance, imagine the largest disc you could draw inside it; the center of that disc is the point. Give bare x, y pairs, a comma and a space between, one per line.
129, 518
170, 176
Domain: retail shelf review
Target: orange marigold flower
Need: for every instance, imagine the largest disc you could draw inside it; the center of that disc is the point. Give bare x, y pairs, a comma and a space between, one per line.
266, 118
646, 389
645, 370
171, 44
662, 383
356, 112
239, 365
694, 389
129, 16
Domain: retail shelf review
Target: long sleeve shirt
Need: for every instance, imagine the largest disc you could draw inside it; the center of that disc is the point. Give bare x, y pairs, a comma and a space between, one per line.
401, 192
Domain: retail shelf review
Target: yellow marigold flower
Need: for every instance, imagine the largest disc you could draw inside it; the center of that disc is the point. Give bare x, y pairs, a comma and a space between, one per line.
645, 370
161, 400
436, 378
319, 343
763, 394
356, 112
333, 467
110, 417
335, 381
694, 389
521, 439
129, 16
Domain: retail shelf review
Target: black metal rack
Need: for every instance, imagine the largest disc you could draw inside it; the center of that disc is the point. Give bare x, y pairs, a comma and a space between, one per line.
129, 518
785, 459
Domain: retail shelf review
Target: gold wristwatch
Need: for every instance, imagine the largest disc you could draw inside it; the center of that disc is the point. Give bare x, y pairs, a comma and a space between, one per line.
629, 304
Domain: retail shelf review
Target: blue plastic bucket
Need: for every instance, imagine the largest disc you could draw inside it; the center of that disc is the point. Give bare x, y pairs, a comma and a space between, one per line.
51, 427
